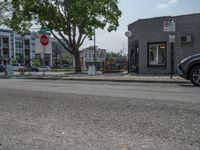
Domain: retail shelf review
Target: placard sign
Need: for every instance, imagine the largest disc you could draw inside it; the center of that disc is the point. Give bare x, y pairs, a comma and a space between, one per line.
9, 70
92, 71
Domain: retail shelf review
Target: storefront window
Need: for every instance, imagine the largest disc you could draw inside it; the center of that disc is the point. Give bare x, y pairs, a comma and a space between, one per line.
157, 53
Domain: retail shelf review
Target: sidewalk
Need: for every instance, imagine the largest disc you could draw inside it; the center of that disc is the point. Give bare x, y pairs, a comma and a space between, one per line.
115, 77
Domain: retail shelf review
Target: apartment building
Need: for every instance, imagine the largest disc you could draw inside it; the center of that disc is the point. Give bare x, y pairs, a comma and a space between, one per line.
16, 47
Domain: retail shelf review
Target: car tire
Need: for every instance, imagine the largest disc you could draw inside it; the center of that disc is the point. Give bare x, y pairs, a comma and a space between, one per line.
195, 76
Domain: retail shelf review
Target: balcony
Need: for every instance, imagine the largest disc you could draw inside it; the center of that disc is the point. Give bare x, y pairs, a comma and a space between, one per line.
27, 46
5, 45
27, 57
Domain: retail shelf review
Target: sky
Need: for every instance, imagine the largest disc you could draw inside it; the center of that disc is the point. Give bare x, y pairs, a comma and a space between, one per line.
132, 10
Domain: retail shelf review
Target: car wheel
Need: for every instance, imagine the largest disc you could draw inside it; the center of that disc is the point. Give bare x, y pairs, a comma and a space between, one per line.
195, 76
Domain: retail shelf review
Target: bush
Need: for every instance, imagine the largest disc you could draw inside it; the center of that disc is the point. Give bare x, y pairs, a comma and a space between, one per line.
15, 62
36, 63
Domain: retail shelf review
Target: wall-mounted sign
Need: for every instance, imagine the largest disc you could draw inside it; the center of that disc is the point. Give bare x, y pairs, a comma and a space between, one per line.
171, 38
169, 26
166, 25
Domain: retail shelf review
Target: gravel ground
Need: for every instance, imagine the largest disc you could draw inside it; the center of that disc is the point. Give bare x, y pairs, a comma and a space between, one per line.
31, 120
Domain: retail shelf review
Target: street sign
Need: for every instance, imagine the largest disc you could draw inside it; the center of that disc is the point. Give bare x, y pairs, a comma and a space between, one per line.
171, 38
166, 25
44, 40
172, 27
44, 30
169, 26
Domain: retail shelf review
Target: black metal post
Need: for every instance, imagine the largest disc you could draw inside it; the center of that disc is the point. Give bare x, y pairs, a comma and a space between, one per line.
95, 51
172, 60
43, 60
94, 61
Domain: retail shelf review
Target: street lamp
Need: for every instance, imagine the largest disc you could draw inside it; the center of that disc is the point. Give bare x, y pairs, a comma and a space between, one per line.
94, 56
128, 34
94, 49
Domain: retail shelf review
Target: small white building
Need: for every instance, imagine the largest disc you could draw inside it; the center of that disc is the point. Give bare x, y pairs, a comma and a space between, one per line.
87, 57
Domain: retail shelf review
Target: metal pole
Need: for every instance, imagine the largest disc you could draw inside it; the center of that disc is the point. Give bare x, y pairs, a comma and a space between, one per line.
95, 51
172, 60
43, 60
94, 61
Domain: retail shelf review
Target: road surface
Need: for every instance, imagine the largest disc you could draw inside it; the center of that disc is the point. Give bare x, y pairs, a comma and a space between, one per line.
62, 115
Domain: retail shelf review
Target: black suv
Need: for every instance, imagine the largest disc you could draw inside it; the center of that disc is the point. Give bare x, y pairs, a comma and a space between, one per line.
189, 68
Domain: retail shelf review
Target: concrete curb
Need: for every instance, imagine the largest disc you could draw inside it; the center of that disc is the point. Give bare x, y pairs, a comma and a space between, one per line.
173, 81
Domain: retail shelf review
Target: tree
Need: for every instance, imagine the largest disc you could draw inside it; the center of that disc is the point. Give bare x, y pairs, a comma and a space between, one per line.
69, 21
113, 58
4, 7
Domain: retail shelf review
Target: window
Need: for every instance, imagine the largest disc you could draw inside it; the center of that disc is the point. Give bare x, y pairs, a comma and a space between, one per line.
5, 40
89, 55
157, 54
19, 43
85, 55
26, 43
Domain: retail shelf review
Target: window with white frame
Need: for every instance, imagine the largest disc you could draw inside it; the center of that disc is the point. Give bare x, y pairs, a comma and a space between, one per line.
157, 54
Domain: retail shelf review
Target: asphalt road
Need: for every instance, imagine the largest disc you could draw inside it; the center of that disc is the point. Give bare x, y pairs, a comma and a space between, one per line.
74, 115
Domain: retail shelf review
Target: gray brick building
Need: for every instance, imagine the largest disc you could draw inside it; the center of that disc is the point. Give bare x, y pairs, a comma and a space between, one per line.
149, 46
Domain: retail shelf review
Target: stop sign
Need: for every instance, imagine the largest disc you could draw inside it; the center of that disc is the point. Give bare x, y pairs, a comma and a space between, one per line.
44, 40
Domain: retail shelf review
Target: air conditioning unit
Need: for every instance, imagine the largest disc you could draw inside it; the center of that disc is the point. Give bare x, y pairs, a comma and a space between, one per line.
186, 39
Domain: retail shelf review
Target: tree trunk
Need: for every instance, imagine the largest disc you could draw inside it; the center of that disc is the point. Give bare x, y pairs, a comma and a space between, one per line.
77, 62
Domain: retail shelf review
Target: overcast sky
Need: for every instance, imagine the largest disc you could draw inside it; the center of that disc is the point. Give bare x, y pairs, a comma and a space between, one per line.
133, 10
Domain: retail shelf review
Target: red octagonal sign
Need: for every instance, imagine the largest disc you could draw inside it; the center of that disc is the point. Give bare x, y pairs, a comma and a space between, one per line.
44, 40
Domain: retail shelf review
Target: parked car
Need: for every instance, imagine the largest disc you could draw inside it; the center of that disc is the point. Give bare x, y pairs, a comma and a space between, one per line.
189, 68
18, 67
46, 68
34, 69
2, 68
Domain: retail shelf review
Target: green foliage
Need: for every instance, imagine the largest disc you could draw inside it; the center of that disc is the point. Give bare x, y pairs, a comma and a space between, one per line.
68, 58
15, 62
61, 70
113, 58
4, 7
72, 20
36, 63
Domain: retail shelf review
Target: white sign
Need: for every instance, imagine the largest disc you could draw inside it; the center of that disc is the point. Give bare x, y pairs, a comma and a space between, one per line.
172, 27
169, 26
91, 71
166, 25
172, 38
9, 70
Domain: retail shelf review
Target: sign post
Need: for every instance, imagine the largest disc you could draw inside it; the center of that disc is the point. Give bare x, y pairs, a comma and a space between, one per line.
170, 27
44, 40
